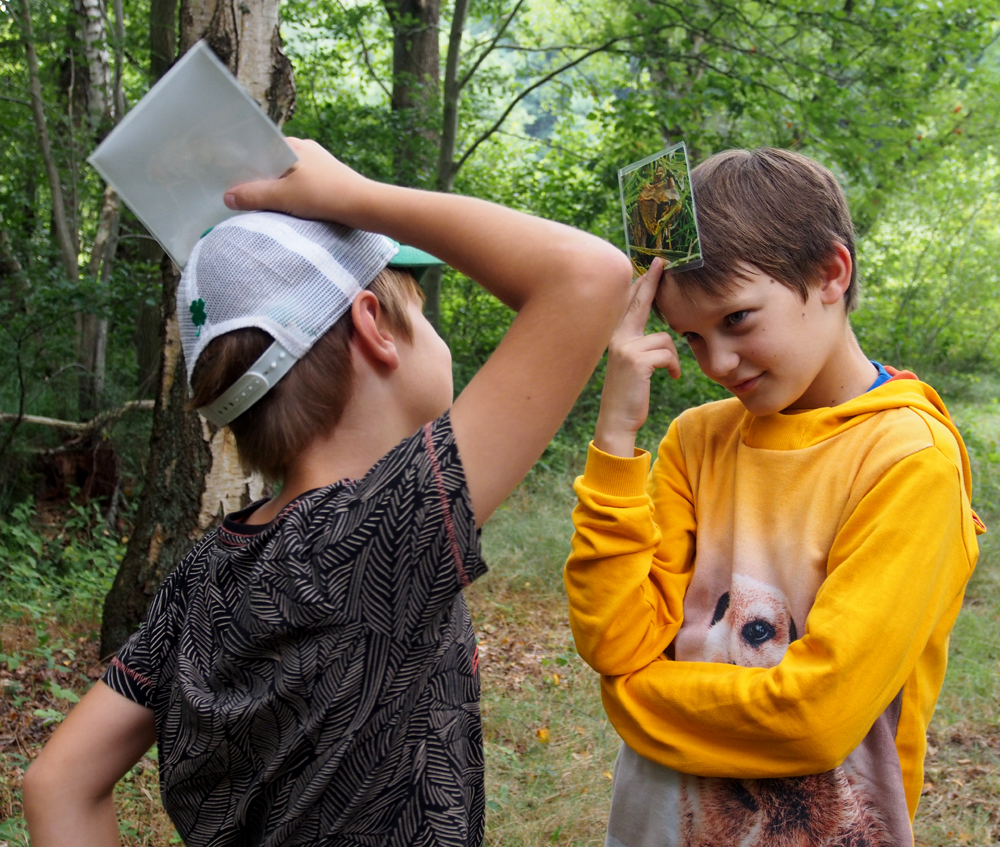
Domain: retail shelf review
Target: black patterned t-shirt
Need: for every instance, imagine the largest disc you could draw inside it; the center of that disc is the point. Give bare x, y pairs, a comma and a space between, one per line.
315, 680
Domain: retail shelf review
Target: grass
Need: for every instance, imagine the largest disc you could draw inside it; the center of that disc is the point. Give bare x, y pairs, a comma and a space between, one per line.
961, 798
549, 747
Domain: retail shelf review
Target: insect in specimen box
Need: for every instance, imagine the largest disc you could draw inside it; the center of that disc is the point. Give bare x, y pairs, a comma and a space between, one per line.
659, 211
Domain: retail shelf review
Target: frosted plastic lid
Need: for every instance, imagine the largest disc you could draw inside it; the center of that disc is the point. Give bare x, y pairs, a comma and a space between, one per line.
195, 135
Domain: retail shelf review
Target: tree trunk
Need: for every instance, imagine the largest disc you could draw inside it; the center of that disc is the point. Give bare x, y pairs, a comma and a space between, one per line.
146, 339
162, 37
444, 179
96, 91
416, 75
66, 235
193, 475
245, 36
101, 101
92, 331
169, 512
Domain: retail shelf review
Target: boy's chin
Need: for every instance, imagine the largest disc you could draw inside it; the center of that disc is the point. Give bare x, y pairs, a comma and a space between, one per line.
764, 406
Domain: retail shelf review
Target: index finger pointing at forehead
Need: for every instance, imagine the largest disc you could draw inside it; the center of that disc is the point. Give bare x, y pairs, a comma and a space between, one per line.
643, 292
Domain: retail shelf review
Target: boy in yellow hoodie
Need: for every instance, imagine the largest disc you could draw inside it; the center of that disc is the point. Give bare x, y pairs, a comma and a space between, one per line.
769, 607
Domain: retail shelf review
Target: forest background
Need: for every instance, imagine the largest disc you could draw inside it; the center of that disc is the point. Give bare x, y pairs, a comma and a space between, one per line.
105, 480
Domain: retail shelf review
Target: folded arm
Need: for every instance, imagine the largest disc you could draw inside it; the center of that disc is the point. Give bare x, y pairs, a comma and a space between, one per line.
896, 575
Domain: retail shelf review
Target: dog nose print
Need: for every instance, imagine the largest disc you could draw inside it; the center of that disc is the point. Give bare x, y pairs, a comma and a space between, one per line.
757, 632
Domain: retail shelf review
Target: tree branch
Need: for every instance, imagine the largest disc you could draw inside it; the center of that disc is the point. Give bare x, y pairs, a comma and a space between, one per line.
364, 52
490, 47
538, 84
95, 423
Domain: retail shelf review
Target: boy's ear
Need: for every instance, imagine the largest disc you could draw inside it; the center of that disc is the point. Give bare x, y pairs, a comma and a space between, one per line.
835, 274
371, 331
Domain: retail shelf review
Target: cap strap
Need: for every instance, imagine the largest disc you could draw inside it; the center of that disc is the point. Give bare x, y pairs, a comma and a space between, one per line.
260, 378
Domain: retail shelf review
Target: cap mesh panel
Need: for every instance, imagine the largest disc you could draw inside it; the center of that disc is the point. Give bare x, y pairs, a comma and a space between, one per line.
290, 277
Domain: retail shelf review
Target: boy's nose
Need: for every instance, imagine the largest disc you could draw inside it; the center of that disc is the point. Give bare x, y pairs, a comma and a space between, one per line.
719, 361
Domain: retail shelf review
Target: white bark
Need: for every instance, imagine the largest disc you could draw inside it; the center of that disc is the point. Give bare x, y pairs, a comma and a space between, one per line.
226, 483
94, 37
244, 34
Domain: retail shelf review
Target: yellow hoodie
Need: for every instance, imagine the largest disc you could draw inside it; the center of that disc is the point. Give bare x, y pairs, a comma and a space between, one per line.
774, 600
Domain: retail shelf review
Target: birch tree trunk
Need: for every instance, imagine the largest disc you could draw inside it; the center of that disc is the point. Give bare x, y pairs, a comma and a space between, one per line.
99, 93
193, 474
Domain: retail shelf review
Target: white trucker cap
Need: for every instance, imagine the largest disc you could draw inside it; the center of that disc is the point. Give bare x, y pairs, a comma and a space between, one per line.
290, 277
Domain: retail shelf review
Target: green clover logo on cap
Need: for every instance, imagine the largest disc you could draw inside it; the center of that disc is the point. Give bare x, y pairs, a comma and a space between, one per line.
198, 316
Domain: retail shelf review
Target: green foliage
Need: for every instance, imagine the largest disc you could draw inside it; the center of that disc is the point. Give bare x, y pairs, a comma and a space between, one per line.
852, 82
932, 282
59, 570
900, 100
40, 304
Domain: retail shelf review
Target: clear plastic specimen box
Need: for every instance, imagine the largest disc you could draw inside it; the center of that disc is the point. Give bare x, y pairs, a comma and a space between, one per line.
195, 134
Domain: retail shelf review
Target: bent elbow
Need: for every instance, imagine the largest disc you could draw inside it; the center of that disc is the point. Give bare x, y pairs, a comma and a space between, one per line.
604, 662
613, 657
614, 273
600, 272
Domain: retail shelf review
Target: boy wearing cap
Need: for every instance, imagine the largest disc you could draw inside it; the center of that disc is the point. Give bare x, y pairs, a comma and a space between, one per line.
309, 671
769, 605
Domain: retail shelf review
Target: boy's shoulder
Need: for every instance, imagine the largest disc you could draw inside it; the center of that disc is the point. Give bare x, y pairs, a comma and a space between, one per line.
897, 419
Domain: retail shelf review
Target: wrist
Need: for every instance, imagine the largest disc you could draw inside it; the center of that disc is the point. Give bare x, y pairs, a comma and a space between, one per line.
364, 206
615, 441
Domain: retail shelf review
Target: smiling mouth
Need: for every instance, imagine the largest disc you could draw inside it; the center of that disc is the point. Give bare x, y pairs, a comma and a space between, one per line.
745, 385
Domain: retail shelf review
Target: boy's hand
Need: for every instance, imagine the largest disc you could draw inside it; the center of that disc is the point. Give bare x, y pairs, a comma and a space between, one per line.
633, 356
317, 187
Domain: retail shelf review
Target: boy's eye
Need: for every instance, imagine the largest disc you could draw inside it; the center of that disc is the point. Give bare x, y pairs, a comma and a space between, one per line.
736, 317
690, 337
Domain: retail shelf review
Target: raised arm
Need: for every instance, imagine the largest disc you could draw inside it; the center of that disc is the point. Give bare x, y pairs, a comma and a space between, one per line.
629, 567
568, 289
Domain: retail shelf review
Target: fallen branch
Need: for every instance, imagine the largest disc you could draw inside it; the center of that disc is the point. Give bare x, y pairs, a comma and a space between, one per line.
93, 424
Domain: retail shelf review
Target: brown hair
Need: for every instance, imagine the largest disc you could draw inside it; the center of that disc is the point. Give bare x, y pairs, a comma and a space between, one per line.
774, 209
310, 400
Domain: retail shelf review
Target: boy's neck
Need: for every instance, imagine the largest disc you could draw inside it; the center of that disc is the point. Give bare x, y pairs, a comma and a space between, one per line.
372, 424
849, 373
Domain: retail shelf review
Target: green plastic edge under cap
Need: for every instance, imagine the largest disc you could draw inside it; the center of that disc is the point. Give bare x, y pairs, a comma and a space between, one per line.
417, 261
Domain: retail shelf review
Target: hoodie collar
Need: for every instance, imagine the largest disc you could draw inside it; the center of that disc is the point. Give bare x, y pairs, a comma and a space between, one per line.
796, 430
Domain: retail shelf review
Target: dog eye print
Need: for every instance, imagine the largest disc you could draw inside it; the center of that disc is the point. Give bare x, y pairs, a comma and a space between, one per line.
752, 625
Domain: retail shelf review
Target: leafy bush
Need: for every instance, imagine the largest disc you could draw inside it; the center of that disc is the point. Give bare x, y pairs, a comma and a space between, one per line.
62, 570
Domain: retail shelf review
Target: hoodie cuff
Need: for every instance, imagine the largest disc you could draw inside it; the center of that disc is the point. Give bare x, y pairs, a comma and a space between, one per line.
615, 475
